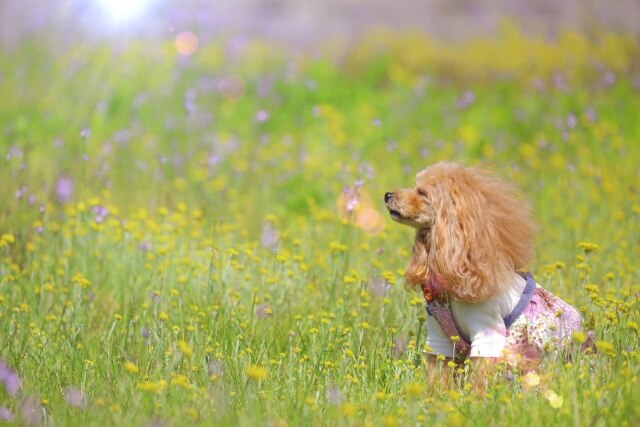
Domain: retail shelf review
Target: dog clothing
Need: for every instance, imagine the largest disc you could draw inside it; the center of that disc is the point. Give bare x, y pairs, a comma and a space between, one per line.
523, 321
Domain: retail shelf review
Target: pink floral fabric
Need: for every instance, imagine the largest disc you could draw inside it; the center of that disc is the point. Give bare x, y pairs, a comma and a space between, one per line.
546, 322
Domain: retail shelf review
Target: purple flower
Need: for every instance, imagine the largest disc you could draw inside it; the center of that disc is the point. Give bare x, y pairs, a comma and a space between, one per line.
351, 198
31, 412
559, 82
269, 238
64, 189
263, 311
144, 246
14, 152
75, 397
465, 100
215, 367
262, 116
101, 212
21, 192
9, 378
190, 103
379, 287
5, 414
154, 297
367, 171
333, 395
609, 79
157, 422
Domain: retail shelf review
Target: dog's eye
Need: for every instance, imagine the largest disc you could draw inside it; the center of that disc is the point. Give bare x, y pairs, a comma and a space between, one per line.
421, 192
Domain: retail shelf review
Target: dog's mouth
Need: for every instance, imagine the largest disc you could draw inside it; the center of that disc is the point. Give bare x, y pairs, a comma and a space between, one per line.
395, 214
401, 219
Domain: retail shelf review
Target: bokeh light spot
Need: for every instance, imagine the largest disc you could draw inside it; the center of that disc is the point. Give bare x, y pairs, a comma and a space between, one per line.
123, 9
187, 43
370, 220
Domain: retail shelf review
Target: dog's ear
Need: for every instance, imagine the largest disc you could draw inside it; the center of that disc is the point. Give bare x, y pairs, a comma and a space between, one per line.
481, 234
458, 221
418, 268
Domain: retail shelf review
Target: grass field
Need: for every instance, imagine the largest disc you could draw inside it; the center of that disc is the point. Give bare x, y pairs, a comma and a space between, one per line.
201, 239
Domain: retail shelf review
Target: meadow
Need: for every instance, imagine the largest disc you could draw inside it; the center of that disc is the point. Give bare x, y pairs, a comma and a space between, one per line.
199, 238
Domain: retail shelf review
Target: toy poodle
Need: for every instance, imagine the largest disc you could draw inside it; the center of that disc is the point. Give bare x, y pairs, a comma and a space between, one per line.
474, 233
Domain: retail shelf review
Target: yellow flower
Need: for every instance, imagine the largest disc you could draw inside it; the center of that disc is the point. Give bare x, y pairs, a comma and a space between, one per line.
349, 279
8, 238
605, 347
131, 367
531, 380
579, 337
588, 247
80, 280
152, 386
455, 419
181, 381
338, 247
389, 421
414, 389
163, 316
348, 410
185, 348
389, 276
256, 372
454, 395
554, 400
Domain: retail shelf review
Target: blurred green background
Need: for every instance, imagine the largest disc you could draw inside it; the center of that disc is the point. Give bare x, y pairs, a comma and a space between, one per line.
176, 182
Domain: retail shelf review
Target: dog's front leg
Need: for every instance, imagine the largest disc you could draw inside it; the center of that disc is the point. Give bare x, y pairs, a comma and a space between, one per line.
440, 371
483, 370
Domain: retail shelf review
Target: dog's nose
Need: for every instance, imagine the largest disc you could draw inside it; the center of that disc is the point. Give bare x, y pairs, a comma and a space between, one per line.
387, 197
